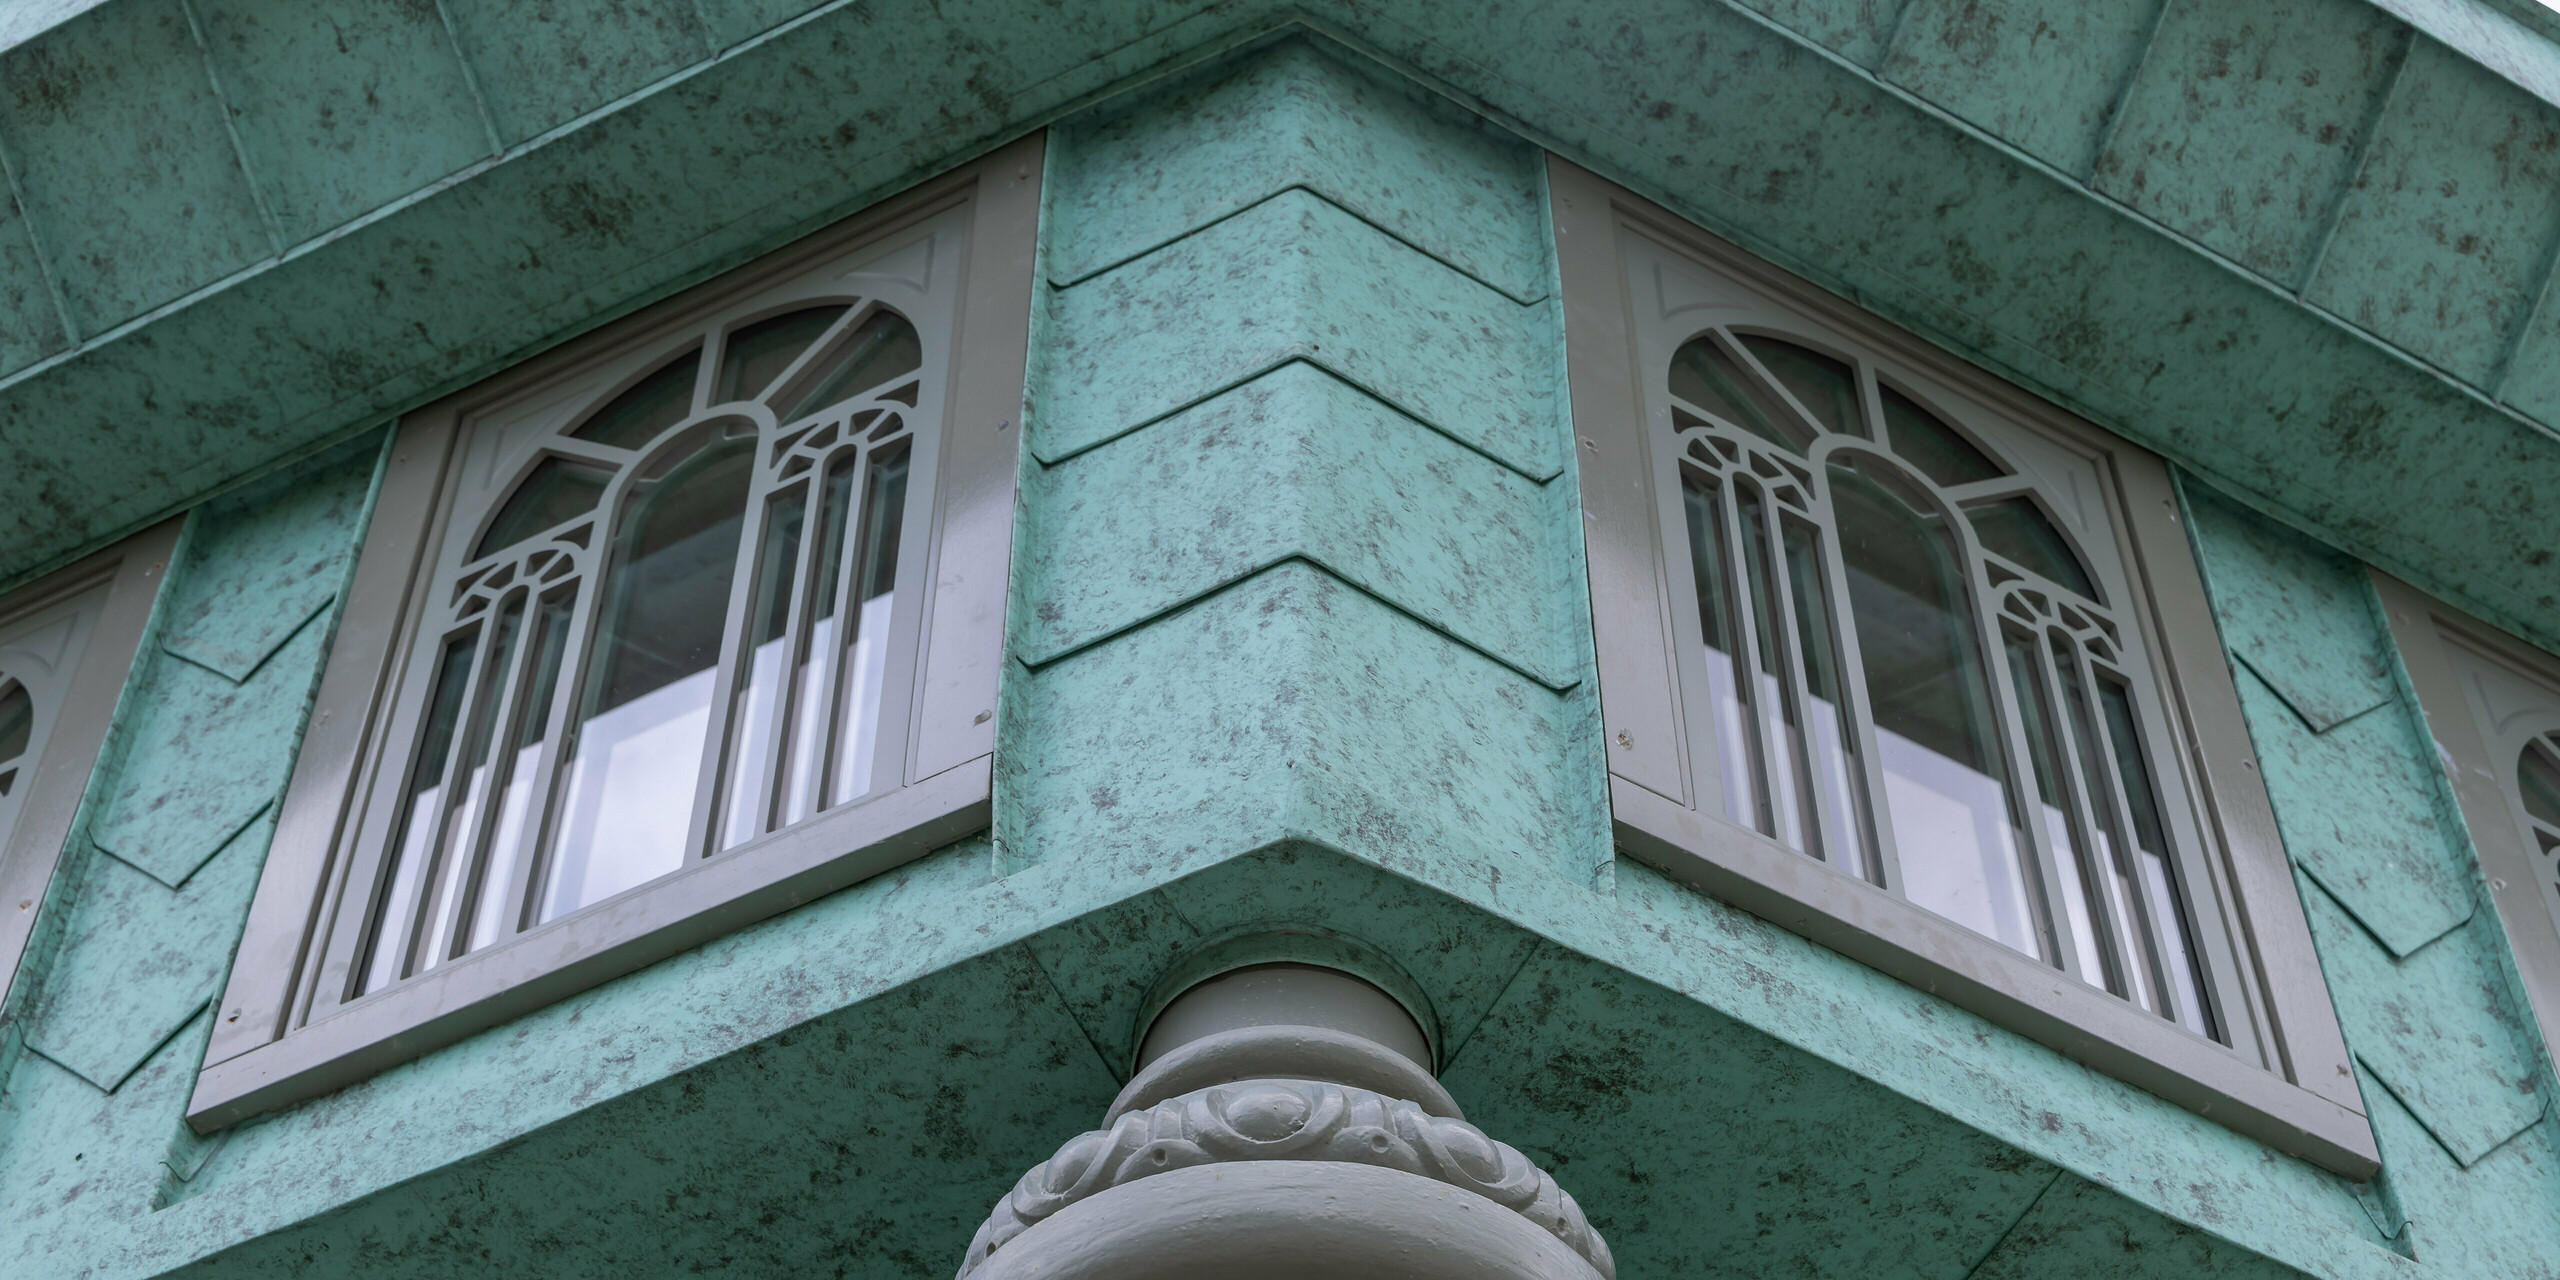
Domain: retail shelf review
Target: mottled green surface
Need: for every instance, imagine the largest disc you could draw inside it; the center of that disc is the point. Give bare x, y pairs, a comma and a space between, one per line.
2459, 1095
1304, 711
2260, 134
2248, 124
2043, 75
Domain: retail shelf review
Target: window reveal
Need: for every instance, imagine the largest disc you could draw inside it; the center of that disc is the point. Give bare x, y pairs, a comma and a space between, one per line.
642, 662
1912, 674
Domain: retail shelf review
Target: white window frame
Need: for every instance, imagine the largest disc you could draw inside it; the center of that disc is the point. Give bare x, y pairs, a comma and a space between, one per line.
2304, 1099
2487, 695
293, 1023
77, 680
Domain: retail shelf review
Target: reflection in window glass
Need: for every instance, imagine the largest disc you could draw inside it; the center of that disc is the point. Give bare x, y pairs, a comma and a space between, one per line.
1736, 752
17, 722
2128, 906
2168, 899
652, 405
1826, 388
421, 813
514, 829
881, 348
2070, 859
1707, 376
2539, 781
1937, 743
866, 655
1831, 736
1919, 438
756, 354
556, 490
2018, 529
637, 758
758, 699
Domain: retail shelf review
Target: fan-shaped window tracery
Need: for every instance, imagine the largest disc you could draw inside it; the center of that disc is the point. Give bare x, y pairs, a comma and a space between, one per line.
669, 639
1912, 672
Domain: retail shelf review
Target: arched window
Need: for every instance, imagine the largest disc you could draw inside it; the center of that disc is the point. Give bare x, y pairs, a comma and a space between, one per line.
1914, 673
684, 623
639, 663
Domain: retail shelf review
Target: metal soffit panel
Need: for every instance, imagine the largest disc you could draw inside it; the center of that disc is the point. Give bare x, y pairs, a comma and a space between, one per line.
305, 336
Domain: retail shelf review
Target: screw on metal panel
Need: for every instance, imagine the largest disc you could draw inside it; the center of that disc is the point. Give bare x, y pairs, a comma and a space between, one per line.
983, 717
1003, 423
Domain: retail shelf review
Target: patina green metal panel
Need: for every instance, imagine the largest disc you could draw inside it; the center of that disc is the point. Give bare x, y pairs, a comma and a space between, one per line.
1854, 29
30, 323
2043, 75
2437, 1027
1259, 707
2082, 1230
1328, 288
2445, 238
343, 107
1421, 170
2499, 1217
2297, 613
139, 960
1766, 1174
125, 160
2246, 123
1298, 463
544, 63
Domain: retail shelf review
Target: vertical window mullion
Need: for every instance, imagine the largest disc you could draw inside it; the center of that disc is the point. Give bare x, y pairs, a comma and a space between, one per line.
2044, 906
1858, 706
1793, 691
431, 871
2131, 915
2081, 808
559, 719
472, 844
828, 739
717, 735
1747, 623
808, 555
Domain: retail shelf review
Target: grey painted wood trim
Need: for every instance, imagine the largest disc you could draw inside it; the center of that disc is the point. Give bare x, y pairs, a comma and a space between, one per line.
2422, 627
2307, 1105
58, 781
273, 1044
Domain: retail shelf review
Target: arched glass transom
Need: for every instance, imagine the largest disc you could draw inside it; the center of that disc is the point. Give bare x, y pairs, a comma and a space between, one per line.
667, 620
1914, 674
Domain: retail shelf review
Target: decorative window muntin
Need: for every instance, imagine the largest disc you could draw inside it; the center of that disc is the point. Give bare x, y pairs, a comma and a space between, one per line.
1780, 488
1638, 284
593, 610
477, 600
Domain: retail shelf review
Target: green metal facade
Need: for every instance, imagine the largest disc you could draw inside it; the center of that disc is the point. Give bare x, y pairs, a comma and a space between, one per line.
1299, 629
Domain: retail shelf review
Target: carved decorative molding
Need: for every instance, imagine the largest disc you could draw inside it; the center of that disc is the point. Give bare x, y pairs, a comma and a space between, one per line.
1278, 1119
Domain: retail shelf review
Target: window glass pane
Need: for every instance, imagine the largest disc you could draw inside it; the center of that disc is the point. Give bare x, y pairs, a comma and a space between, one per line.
652, 405
1934, 447
1791, 782
2127, 907
2539, 780
1705, 375
1829, 730
420, 809
454, 886
881, 348
804, 765
637, 756
756, 354
1736, 750
2017, 528
758, 699
555, 490
1955, 830
2167, 898
1826, 388
866, 655
2081, 910
516, 828
17, 721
